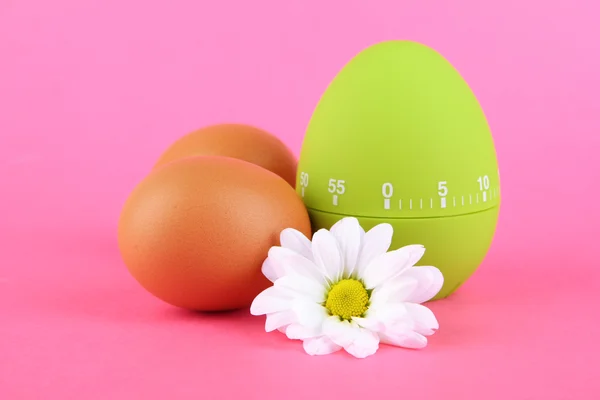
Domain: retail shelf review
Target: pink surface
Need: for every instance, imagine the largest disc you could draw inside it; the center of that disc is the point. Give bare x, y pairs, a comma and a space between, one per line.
92, 91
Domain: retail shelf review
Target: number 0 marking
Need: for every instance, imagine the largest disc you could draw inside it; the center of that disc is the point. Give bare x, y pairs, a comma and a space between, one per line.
387, 190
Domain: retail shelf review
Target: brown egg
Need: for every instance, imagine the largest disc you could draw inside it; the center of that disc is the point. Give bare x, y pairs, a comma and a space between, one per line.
195, 232
241, 141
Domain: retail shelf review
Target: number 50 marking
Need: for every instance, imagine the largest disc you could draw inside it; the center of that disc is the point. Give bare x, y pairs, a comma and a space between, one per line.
303, 182
303, 179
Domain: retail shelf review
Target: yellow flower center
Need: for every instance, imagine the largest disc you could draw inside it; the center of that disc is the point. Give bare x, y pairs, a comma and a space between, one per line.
348, 298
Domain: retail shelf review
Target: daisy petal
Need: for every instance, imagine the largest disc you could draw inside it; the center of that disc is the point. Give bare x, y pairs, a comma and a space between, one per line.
301, 286
309, 314
279, 320
396, 290
365, 344
295, 240
270, 300
425, 322
347, 232
411, 340
320, 346
357, 341
430, 282
369, 322
340, 332
388, 315
292, 263
374, 243
339, 225
271, 270
326, 253
299, 332
385, 267
416, 252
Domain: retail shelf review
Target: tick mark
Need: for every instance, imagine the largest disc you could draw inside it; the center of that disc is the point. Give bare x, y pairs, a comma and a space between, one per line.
453, 201
462, 200
303, 192
421, 203
335, 200
410, 204
470, 199
386, 204
401, 204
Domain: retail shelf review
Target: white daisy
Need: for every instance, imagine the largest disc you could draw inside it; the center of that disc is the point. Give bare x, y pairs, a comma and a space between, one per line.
345, 290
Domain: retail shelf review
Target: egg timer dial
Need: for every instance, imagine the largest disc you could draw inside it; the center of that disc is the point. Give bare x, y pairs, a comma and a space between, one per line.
399, 137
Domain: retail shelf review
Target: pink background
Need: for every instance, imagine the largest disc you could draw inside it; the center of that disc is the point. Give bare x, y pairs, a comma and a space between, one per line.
92, 91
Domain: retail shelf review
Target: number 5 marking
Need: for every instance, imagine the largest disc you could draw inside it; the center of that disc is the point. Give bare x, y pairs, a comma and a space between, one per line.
442, 189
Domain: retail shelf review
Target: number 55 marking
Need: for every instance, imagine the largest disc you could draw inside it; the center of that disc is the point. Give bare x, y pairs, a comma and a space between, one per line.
336, 187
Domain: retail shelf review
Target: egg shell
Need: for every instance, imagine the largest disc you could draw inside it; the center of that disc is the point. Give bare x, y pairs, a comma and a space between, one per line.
399, 137
196, 231
241, 141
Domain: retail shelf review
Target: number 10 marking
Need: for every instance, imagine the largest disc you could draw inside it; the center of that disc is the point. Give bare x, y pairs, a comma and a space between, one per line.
484, 185
484, 182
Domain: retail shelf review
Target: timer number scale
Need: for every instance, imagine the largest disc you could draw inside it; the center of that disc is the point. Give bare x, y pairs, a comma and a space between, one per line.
337, 187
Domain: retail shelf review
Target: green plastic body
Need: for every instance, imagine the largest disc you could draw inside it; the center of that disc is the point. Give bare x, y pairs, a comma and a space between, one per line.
399, 137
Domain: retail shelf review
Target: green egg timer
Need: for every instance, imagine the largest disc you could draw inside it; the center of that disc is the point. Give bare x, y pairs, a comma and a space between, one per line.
399, 137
